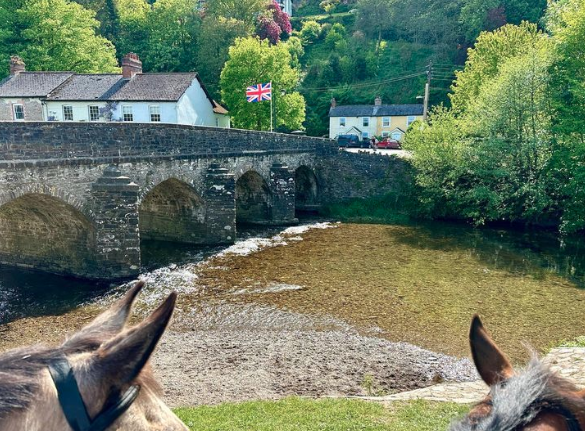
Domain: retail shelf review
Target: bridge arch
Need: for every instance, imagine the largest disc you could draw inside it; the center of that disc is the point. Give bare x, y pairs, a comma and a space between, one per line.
306, 189
46, 232
44, 189
253, 199
174, 211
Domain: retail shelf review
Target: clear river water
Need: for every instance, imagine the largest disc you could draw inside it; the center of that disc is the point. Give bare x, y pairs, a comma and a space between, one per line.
26, 293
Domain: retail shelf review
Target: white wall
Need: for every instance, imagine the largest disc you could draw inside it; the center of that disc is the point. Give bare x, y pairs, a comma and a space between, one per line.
194, 108
141, 112
80, 110
335, 129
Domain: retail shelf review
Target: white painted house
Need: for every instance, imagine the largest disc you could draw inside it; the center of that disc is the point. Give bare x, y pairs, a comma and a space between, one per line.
133, 96
367, 121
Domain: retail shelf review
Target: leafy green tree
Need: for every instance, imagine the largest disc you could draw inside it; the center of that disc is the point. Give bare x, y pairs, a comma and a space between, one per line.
253, 61
54, 35
490, 161
489, 53
245, 11
310, 32
215, 38
173, 27
566, 21
375, 17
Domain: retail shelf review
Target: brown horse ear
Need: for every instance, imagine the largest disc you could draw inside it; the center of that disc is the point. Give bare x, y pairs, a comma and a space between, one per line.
119, 361
109, 323
490, 361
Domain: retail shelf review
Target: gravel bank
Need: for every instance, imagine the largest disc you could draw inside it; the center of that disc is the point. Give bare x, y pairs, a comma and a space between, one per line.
255, 358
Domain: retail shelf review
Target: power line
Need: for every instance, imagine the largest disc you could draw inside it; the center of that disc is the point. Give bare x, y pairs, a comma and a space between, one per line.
363, 85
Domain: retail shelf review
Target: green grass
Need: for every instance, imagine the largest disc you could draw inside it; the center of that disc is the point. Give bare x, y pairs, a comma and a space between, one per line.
577, 342
298, 414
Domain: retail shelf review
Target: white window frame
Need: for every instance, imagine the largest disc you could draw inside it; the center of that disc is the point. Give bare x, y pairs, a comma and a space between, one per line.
65, 116
410, 119
151, 108
365, 121
386, 122
52, 116
342, 122
127, 113
14, 105
90, 115
385, 134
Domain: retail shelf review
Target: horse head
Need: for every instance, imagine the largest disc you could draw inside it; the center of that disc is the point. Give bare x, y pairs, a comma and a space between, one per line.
534, 399
97, 380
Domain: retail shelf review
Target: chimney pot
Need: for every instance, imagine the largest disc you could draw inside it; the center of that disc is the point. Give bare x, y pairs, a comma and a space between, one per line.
378, 101
131, 65
16, 65
333, 102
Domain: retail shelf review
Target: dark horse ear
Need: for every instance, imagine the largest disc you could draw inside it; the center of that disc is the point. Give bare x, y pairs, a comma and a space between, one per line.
108, 324
490, 361
119, 361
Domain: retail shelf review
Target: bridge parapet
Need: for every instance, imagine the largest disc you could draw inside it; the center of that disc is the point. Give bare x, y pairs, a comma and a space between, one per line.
119, 141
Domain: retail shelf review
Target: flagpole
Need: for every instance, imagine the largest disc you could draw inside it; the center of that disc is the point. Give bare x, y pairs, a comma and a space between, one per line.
271, 110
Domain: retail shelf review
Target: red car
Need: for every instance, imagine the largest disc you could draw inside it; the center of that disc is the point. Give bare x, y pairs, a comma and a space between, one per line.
389, 144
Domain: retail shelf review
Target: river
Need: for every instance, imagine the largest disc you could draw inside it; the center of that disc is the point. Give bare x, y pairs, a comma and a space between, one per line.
516, 254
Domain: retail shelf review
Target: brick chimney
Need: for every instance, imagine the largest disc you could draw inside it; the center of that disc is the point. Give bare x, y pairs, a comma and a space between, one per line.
333, 102
16, 65
378, 101
131, 65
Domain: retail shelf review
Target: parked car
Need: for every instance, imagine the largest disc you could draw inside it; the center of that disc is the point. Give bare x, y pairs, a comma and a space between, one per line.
389, 144
349, 141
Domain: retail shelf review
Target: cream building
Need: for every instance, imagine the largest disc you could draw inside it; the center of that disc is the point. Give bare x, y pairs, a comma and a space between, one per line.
367, 121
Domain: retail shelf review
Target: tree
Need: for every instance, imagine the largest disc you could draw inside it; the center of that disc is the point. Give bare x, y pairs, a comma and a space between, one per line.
215, 38
490, 52
172, 28
375, 17
253, 61
55, 35
273, 24
244, 11
566, 21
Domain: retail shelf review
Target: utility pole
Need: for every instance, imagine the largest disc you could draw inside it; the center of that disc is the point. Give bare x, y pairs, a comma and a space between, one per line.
427, 91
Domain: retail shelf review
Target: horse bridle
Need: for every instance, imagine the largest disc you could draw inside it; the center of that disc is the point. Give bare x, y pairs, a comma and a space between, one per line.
73, 406
555, 407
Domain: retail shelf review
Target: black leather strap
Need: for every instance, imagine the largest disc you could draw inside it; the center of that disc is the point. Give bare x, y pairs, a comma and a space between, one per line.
73, 406
69, 396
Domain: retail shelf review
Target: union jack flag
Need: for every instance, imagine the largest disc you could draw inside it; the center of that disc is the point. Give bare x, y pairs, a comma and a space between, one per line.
259, 93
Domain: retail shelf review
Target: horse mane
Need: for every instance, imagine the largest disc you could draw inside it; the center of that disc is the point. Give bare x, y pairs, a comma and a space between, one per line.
19, 370
513, 402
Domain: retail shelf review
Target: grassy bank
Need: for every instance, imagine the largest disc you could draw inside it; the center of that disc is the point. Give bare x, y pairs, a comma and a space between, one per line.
296, 414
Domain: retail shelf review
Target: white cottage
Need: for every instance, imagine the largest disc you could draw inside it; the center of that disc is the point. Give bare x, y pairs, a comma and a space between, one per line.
133, 96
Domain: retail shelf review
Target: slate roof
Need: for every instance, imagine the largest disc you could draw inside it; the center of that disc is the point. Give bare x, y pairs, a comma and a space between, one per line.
163, 87
375, 110
86, 87
69, 86
32, 84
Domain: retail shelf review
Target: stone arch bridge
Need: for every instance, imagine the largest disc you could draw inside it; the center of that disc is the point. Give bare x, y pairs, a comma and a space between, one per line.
77, 198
